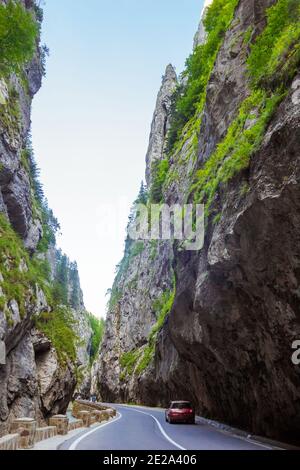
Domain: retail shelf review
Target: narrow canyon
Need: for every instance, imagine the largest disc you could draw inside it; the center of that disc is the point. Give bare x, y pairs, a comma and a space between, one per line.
214, 326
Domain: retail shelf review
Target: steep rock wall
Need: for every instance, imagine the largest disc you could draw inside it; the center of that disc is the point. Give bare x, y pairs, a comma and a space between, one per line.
226, 342
33, 382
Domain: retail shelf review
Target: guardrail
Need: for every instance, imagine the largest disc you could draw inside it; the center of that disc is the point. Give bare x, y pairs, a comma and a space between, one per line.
25, 433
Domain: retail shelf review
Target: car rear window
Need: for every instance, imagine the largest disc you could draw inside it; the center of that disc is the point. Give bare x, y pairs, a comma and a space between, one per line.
181, 406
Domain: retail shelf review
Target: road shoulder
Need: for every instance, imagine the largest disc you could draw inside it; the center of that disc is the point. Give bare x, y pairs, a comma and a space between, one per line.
54, 442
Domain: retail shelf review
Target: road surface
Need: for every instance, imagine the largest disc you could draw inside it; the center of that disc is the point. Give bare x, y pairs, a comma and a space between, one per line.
137, 428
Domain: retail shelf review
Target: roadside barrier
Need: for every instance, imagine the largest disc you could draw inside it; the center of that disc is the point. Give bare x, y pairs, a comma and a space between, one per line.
24, 433
45, 433
26, 428
61, 422
9, 442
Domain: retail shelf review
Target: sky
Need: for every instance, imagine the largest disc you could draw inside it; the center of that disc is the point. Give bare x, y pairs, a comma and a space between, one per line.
91, 119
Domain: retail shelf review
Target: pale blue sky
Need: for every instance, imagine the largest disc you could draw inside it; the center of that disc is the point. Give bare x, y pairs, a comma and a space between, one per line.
91, 120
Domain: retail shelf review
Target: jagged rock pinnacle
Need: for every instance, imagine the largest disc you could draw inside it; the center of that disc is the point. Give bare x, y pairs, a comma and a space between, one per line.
160, 122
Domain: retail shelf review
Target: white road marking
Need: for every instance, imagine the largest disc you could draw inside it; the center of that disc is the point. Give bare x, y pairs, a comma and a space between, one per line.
227, 433
261, 445
74, 445
161, 429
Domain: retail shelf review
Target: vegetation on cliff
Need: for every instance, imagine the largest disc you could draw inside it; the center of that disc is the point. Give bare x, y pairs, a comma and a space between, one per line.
162, 307
275, 55
19, 273
272, 62
60, 327
273, 58
10, 113
19, 279
64, 298
23, 271
189, 97
233, 153
137, 360
18, 34
97, 326
133, 249
159, 173
63, 287
128, 362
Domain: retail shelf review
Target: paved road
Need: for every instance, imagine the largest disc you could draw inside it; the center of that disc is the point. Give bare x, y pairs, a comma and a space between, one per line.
137, 428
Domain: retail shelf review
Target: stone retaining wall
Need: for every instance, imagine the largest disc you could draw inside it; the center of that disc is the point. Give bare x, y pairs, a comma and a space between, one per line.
9, 442
24, 431
86, 417
61, 422
26, 428
99, 416
45, 433
76, 424
80, 405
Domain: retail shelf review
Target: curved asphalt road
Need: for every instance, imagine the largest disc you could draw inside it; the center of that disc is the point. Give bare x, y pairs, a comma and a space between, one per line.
137, 428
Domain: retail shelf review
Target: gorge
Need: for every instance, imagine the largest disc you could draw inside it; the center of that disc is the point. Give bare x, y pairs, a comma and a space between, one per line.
214, 326
217, 326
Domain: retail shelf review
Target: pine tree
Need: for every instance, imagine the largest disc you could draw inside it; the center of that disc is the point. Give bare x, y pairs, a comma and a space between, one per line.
143, 195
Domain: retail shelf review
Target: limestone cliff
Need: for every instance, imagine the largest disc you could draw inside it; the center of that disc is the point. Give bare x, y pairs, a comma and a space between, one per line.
200, 35
160, 123
216, 326
38, 285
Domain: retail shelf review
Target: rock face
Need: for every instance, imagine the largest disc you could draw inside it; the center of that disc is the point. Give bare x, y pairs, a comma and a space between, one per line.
130, 320
160, 122
56, 383
75, 300
200, 35
33, 383
15, 186
226, 343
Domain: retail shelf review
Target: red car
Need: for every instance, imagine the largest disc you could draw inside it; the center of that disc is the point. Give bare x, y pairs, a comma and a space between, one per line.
180, 412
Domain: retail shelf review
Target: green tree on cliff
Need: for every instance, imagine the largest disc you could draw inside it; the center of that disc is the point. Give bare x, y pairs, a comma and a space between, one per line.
18, 34
98, 326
